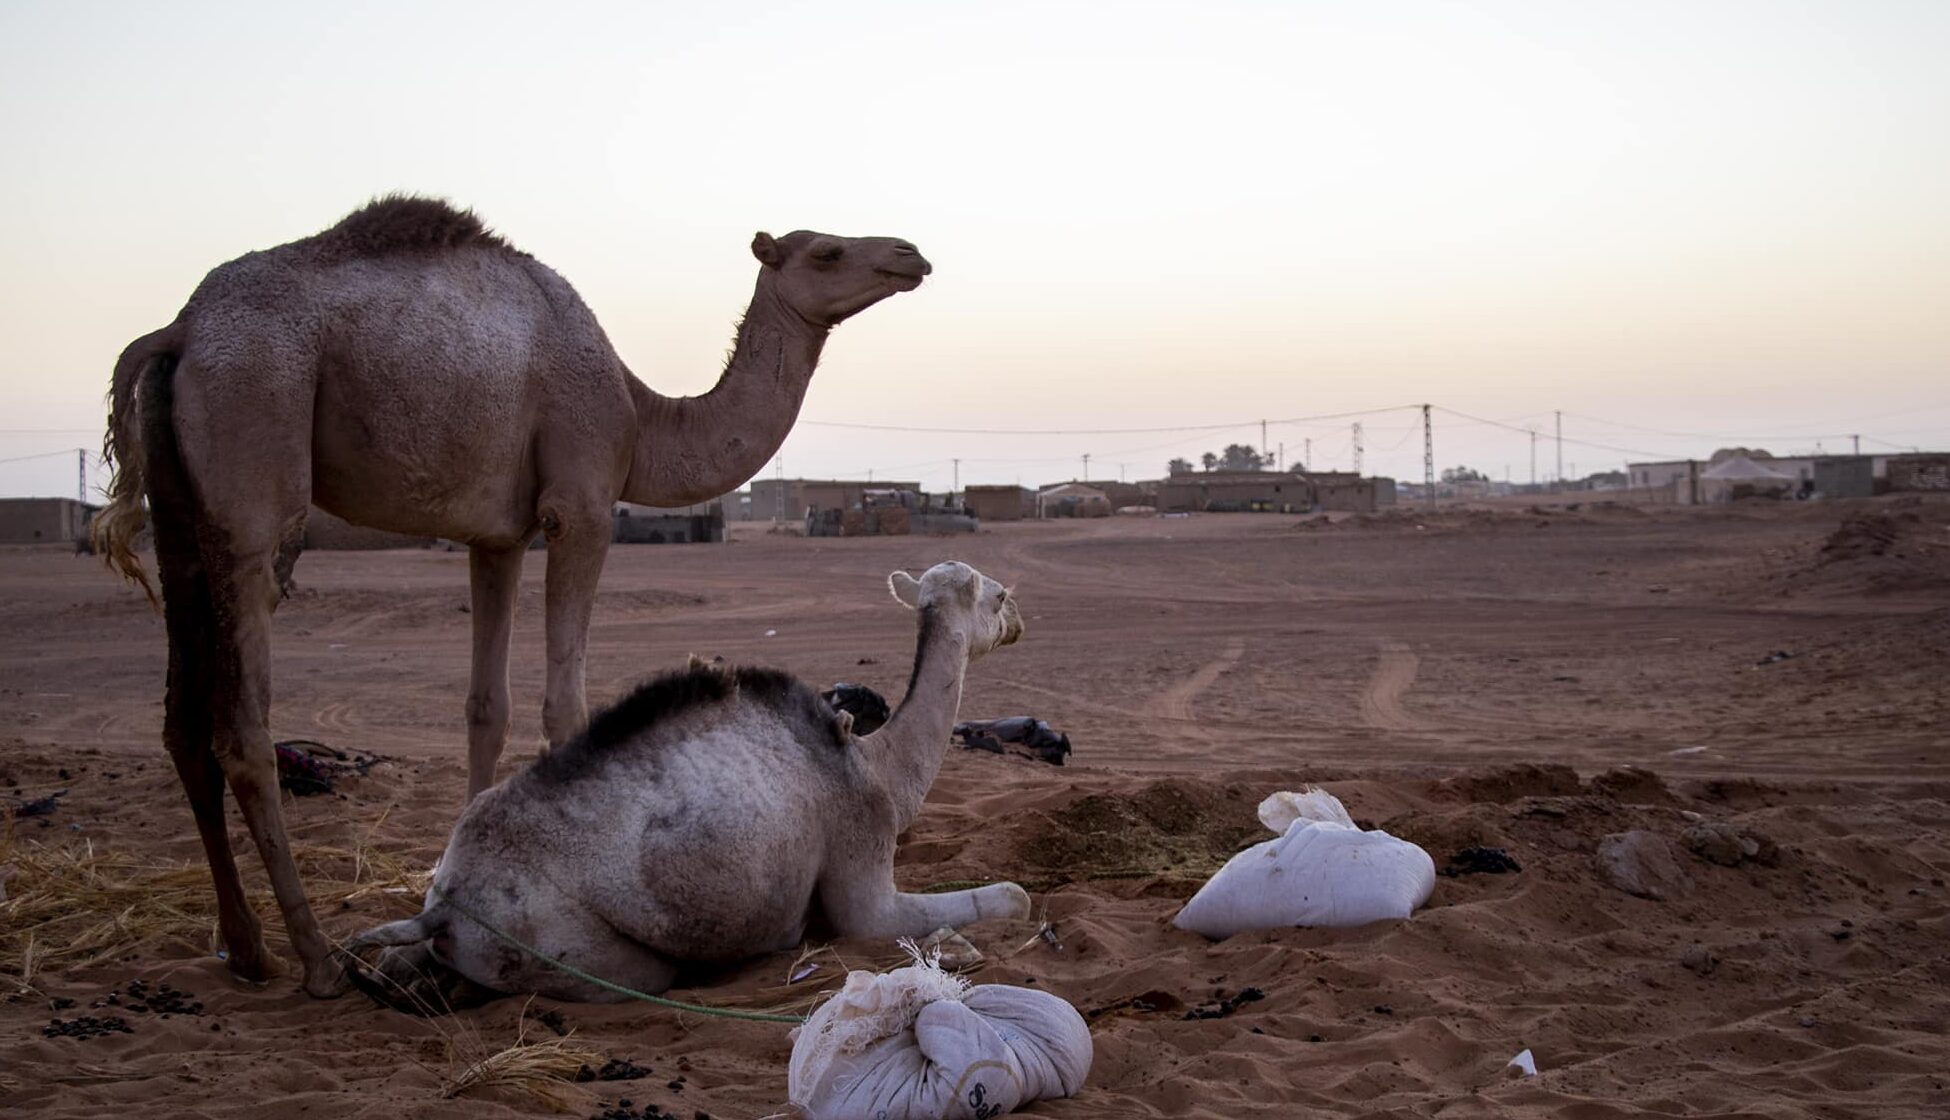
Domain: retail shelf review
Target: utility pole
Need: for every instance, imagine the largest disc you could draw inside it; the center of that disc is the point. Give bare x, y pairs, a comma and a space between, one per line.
1307, 452
1279, 460
957, 483
1357, 447
778, 491
1120, 472
1857, 440
1428, 454
1560, 449
1086, 466
81, 471
1262, 435
1533, 456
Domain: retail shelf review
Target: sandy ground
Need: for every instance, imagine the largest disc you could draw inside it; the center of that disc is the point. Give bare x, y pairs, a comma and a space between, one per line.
1533, 681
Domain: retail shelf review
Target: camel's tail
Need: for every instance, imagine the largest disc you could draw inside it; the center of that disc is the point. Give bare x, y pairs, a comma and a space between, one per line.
138, 372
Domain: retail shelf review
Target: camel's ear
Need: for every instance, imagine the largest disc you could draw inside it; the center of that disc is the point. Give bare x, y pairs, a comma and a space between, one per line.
905, 588
767, 250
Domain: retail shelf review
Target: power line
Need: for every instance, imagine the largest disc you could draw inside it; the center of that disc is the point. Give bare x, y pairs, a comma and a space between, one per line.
1567, 439
51, 454
1101, 431
1709, 435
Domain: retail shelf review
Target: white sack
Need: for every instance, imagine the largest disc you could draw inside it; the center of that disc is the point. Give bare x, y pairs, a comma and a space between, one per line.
919, 1044
1320, 871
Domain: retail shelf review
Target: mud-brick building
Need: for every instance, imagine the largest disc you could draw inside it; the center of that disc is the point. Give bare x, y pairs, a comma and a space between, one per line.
1235, 492
1072, 499
1000, 503
702, 523
44, 520
788, 499
1346, 491
1920, 472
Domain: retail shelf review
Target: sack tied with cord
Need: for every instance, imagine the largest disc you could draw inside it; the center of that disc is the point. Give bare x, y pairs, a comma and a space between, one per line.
1320, 870
920, 1044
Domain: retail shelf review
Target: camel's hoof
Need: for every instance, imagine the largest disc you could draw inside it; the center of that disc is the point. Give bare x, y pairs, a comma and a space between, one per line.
326, 979
252, 964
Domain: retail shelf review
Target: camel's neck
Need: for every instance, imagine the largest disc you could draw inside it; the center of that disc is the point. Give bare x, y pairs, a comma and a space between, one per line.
690, 449
907, 753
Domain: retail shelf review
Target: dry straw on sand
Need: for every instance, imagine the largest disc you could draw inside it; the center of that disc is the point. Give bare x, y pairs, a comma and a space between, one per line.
545, 1070
71, 905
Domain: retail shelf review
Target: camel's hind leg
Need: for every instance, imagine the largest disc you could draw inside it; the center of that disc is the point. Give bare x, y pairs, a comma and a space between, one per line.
189, 617
245, 446
615, 959
555, 927
495, 577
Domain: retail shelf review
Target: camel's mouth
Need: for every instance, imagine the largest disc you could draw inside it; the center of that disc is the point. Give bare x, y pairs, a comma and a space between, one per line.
901, 281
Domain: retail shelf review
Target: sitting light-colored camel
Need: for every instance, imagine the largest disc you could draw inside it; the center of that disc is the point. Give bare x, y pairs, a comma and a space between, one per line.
409, 370
709, 816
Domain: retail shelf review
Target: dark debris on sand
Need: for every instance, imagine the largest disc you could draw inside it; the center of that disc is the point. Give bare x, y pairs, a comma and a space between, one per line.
162, 999
307, 766
1481, 861
1225, 1005
616, 1069
621, 1110
86, 1027
40, 806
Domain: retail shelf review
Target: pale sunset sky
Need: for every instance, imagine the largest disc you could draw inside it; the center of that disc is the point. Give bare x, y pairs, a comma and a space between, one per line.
1683, 224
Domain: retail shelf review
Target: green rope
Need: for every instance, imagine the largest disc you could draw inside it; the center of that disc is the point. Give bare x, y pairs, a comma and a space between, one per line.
720, 1012
1090, 877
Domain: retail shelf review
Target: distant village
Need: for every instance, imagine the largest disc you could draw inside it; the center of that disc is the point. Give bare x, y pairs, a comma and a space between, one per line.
1240, 480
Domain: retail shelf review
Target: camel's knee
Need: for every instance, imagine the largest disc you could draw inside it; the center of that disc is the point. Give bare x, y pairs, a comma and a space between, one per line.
487, 716
1000, 900
250, 766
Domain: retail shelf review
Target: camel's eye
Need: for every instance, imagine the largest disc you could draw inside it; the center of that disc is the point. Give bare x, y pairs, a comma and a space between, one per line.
827, 254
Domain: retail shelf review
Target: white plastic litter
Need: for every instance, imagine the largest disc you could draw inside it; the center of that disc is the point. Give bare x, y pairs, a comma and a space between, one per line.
1524, 1064
919, 1044
1320, 871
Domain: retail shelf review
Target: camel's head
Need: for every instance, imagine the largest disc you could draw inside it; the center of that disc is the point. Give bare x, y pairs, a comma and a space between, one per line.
965, 599
826, 279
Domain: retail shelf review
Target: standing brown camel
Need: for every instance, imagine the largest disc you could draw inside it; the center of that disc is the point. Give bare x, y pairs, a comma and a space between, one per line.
408, 370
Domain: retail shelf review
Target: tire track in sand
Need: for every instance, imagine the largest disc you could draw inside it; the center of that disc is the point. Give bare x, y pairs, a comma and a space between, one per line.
1176, 702
1381, 700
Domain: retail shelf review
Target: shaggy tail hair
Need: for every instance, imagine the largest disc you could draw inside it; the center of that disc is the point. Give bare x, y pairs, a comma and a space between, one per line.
114, 530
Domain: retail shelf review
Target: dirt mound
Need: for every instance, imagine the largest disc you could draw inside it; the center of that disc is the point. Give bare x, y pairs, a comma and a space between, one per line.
1508, 783
1164, 826
1870, 533
1872, 552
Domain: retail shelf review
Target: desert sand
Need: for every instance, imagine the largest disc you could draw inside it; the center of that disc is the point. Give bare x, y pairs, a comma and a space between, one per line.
1531, 680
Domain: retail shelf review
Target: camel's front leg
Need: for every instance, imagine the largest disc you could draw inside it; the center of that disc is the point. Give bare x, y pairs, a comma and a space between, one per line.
860, 901
494, 575
578, 540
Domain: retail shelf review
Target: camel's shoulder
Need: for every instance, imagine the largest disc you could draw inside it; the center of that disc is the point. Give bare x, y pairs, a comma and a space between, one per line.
665, 698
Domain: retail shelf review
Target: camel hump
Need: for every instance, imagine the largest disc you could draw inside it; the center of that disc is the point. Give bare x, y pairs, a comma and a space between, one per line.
663, 699
400, 223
